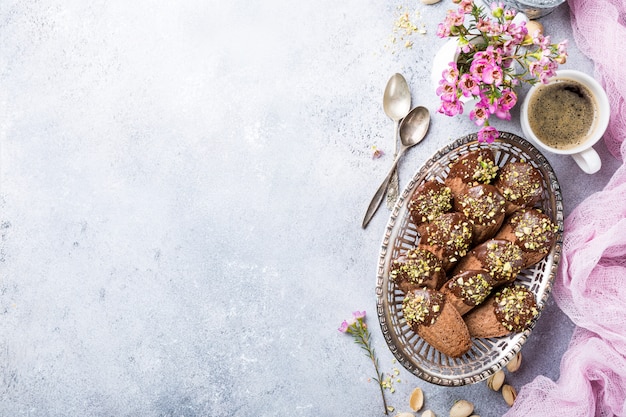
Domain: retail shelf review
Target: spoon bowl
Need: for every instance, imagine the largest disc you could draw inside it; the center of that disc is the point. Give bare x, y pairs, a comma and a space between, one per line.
414, 126
397, 98
412, 131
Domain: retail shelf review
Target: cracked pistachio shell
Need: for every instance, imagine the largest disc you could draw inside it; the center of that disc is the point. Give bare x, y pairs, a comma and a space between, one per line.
514, 363
533, 26
496, 380
416, 401
428, 413
462, 408
509, 394
405, 415
430, 1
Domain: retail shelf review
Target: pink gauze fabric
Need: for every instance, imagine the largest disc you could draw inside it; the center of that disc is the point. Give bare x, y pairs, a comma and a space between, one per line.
591, 284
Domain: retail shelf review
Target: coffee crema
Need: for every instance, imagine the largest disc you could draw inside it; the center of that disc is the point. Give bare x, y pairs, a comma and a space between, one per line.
562, 114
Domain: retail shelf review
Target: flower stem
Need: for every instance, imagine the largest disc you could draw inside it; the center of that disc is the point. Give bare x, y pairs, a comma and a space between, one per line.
363, 338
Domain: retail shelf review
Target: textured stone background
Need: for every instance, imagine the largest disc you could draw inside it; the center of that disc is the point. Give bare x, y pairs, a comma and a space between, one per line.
182, 186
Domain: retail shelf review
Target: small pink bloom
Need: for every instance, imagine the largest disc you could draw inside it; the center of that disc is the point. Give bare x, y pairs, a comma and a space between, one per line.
508, 99
443, 31
495, 54
488, 134
478, 67
466, 6
483, 25
451, 73
447, 91
479, 115
344, 327
509, 14
377, 153
469, 86
451, 108
454, 18
497, 9
492, 75
358, 314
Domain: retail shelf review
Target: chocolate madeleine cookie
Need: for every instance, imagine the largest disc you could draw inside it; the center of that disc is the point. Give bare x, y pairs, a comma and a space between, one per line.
417, 268
436, 321
520, 184
483, 205
467, 289
429, 201
449, 237
531, 230
472, 168
510, 310
501, 258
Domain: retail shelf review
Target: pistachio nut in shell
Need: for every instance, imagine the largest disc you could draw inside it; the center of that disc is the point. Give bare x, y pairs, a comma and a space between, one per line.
405, 415
514, 363
509, 394
462, 408
416, 401
428, 413
496, 380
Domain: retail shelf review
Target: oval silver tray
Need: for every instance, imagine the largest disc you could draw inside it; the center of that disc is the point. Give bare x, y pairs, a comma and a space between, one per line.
486, 356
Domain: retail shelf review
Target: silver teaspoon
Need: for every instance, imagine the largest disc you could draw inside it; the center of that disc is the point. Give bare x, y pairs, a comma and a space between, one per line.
412, 130
396, 104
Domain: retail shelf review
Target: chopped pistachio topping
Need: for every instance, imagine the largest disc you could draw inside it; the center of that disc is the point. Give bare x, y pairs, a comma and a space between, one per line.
417, 267
503, 260
486, 170
534, 232
519, 183
515, 307
454, 235
482, 206
430, 204
422, 307
472, 288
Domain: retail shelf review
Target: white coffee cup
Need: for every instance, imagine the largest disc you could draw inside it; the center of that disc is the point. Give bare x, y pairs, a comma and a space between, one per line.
583, 153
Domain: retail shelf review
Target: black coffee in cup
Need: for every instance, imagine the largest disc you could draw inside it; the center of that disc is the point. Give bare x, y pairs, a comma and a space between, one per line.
562, 114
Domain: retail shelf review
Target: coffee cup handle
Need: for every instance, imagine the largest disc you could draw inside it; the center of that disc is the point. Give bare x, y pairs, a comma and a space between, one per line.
588, 160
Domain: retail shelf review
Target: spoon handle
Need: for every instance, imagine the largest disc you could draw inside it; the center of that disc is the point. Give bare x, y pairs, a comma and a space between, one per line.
394, 184
380, 193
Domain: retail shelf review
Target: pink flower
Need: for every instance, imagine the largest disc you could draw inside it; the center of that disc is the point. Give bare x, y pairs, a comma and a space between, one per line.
344, 327
466, 6
483, 25
494, 53
479, 115
451, 73
359, 314
508, 99
443, 31
451, 108
488, 134
447, 91
495, 56
454, 18
469, 86
478, 67
509, 14
497, 9
376, 153
517, 32
492, 75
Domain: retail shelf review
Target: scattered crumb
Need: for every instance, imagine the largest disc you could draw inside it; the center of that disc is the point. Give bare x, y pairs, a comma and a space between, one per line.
406, 26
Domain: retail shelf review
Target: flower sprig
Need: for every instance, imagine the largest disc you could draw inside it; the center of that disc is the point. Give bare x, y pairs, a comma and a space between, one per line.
495, 55
356, 327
